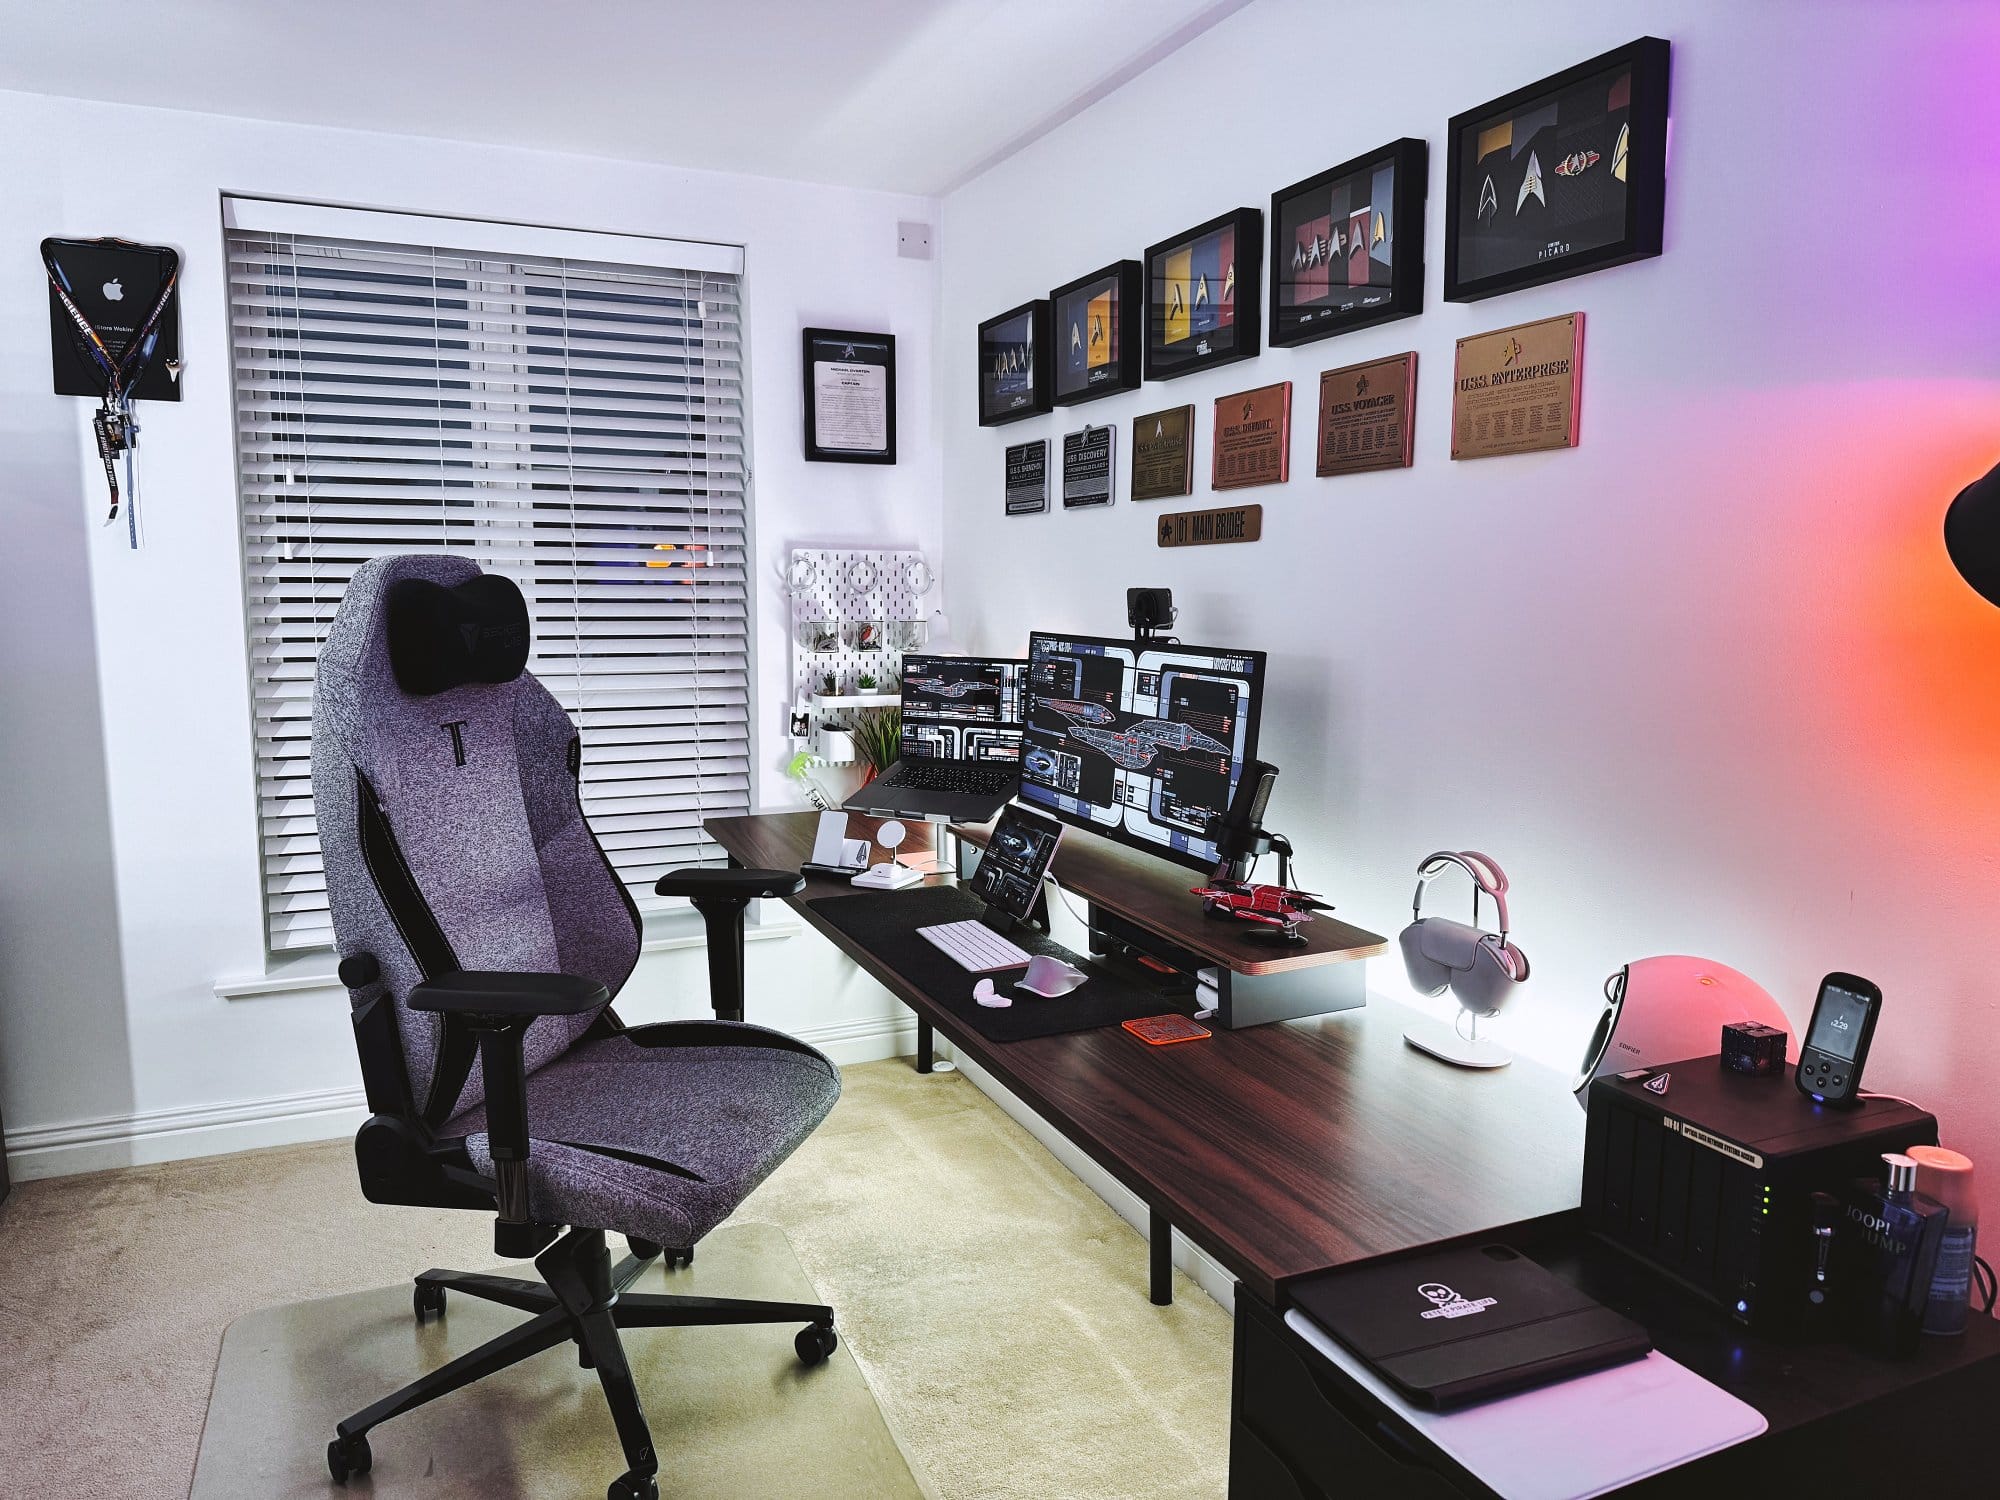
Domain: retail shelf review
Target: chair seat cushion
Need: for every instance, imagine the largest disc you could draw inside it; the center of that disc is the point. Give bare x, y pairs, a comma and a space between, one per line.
661, 1131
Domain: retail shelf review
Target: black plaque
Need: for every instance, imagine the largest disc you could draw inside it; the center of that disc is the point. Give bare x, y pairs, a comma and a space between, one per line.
1163, 454
1087, 466
1028, 478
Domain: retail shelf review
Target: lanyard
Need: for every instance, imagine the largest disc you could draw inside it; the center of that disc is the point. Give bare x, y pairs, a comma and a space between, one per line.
116, 431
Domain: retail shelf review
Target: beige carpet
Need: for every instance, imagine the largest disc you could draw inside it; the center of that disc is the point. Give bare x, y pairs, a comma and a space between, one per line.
542, 1427
996, 1306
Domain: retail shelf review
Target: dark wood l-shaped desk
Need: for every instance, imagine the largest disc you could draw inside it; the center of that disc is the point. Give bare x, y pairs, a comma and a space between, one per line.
1289, 1149
1282, 1150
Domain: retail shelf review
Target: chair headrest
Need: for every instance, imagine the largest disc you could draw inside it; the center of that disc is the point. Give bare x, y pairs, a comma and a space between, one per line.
441, 637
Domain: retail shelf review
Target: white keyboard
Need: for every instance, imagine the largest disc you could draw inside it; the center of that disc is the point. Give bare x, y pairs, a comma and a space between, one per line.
975, 946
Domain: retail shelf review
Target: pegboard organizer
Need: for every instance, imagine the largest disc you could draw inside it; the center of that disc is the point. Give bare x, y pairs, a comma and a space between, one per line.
853, 611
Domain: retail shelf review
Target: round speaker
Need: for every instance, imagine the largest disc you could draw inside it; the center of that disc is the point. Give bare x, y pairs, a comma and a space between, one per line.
1660, 1010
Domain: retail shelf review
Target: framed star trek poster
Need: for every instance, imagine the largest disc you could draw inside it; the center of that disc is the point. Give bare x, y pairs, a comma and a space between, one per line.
1347, 246
1204, 302
1094, 323
1014, 364
1565, 176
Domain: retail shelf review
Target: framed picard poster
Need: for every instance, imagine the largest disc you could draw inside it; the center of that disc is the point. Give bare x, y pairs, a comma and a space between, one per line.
850, 390
1565, 176
1013, 364
1203, 297
1347, 246
1094, 323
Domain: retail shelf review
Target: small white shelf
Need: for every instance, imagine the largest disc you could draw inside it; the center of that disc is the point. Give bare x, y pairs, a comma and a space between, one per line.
858, 700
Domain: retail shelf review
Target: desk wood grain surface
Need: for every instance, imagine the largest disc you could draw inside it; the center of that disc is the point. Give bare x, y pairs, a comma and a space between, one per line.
1281, 1150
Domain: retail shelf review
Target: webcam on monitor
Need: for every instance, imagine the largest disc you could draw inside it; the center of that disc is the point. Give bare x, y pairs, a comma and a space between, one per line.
1149, 611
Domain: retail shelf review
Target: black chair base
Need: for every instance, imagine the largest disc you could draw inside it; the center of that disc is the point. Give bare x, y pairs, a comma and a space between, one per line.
581, 1299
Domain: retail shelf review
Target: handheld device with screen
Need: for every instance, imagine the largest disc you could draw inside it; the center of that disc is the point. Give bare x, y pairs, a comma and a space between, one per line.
1836, 1043
1010, 872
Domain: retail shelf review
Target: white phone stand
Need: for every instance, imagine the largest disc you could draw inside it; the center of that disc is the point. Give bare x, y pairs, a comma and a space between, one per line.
889, 875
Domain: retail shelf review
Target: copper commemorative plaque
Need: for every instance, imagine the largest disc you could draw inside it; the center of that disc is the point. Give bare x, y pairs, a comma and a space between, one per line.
1518, 390
1204, 528
1163, 454
1367, 416
1253, 437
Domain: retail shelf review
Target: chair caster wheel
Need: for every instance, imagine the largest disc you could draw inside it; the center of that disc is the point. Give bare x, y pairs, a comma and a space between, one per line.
816, 1344
642, 1249
348, 1456
427, 1302
634, 1487
681, 1256
583, 1359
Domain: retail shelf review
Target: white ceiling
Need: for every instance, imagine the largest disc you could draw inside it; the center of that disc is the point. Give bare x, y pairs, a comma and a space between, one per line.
908, 95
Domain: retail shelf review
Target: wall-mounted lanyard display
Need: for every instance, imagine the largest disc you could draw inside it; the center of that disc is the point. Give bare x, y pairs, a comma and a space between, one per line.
118, 372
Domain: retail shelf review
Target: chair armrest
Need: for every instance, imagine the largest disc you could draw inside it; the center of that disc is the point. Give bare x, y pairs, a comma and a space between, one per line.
498, 1007
498, 996
730, 885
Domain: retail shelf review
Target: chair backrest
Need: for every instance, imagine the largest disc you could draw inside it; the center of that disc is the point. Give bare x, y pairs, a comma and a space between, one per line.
445, 785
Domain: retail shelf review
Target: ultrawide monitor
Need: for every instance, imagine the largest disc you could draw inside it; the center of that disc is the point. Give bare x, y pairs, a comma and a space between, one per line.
1140, 742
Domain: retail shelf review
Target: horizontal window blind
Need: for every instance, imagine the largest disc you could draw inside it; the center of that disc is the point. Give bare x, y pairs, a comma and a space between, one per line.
575, 424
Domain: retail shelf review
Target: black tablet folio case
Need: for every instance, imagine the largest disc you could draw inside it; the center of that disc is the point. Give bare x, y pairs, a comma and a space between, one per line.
1464, 1325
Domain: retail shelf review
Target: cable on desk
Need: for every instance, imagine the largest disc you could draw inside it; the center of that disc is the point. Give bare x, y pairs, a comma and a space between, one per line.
1893, 1099
1064, 896
1989, 1284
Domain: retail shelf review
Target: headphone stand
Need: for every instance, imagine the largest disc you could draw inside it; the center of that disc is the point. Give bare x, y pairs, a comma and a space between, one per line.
1442, 1040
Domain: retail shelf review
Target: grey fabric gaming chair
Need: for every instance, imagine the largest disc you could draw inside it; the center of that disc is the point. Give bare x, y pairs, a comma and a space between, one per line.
478, 919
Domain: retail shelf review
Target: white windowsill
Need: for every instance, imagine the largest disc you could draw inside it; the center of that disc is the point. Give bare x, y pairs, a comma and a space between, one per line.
661, 931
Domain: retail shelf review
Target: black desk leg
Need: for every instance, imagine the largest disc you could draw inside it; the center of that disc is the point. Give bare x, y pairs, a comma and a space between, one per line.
1162, 1236
924, 1046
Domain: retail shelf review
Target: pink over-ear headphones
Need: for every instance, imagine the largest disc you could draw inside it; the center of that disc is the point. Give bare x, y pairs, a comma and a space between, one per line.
1478, 967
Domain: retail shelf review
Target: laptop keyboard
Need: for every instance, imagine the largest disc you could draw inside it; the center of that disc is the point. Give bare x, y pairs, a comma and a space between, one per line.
971, 777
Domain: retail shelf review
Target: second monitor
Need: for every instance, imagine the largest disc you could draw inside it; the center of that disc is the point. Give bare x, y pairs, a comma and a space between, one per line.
1144, 743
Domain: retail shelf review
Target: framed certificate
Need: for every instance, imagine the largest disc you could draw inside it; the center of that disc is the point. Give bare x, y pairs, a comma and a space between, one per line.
1095, 320
1203, 296
850, 396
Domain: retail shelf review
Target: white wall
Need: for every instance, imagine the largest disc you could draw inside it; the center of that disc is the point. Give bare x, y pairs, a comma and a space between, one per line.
128, 858
1705, 684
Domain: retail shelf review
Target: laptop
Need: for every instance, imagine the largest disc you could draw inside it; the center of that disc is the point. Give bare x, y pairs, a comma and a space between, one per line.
1468, 1324
961, 753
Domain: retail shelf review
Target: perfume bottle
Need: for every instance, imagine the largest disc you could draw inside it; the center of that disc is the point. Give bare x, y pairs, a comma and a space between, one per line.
1947, 1177
1892, 1233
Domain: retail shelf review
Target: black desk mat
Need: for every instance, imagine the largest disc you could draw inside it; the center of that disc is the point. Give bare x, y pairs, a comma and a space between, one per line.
886, 923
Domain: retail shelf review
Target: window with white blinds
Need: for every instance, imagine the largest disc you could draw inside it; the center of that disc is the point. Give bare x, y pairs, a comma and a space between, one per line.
564, 409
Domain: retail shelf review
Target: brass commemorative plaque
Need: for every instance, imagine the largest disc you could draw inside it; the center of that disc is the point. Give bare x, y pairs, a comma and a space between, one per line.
1253, 437
1367, 416
1163, 454
1517, 390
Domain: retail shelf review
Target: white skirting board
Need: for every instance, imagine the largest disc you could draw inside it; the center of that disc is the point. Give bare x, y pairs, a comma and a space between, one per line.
323, 1114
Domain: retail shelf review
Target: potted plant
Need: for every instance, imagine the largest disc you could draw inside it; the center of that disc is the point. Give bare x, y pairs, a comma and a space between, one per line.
865, 682
829, 685
878, 739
